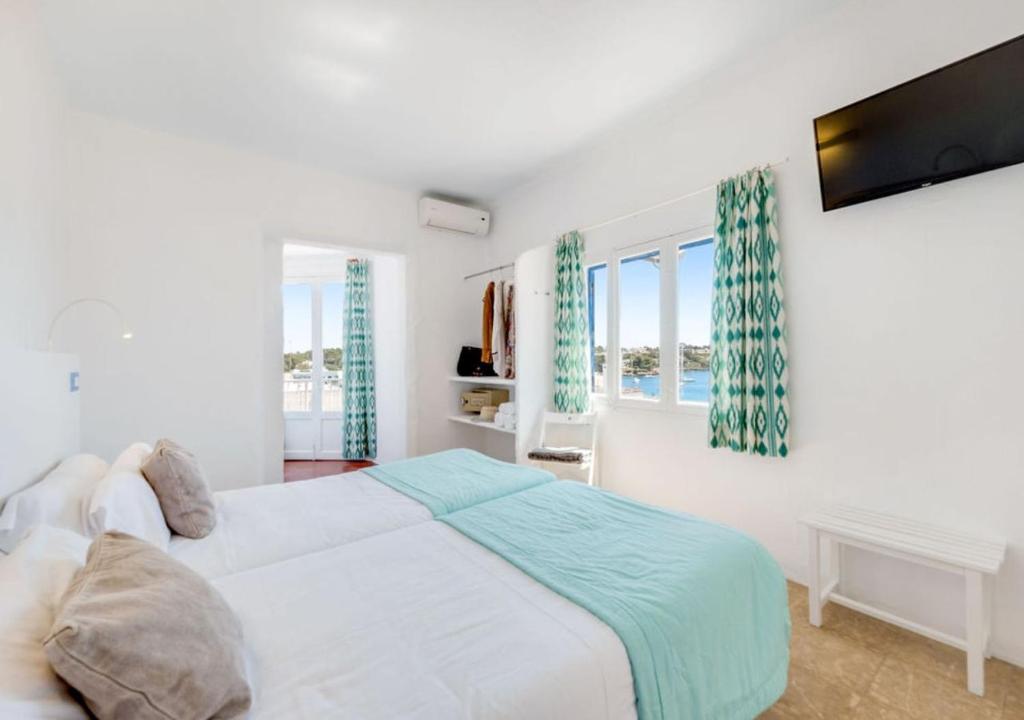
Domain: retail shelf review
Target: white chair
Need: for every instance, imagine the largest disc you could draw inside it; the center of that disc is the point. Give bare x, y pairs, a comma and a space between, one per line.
568, 445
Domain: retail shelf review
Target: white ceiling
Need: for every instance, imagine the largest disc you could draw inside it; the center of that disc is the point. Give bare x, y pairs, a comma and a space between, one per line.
467, 97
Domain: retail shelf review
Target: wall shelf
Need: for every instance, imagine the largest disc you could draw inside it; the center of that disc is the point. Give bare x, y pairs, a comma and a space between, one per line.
488, 381
468, 420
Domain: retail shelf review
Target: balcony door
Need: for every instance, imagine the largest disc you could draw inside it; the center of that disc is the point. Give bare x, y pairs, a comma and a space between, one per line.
313, 314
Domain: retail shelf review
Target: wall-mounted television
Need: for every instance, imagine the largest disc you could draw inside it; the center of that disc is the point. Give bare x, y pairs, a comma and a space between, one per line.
962, 119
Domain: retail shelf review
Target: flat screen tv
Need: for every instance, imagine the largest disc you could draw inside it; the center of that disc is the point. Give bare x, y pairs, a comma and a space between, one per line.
959, 120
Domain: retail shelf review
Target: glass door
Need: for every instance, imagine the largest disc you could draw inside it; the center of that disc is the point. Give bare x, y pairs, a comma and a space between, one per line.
313, 315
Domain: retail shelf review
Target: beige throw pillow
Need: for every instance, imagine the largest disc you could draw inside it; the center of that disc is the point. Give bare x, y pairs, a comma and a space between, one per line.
141, 636
178, 482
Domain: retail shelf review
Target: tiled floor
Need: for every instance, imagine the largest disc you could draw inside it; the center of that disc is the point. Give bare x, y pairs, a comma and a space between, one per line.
306, 469
858, 667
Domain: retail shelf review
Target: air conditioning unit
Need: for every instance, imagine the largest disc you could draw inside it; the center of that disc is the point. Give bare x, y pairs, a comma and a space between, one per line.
442, 215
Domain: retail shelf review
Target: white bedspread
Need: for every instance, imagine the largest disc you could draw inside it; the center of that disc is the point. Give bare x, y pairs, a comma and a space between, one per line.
265, 524
422, 623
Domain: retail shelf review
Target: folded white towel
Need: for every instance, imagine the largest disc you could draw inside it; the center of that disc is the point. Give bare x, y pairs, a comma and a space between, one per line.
504, 420
508, 408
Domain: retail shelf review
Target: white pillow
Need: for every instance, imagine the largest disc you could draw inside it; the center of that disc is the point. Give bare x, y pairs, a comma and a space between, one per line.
60, 499
34, 578
124, 501
131, 457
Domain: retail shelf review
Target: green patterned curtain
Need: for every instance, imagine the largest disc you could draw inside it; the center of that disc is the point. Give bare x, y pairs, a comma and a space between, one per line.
572, 394
359, 430
749, 406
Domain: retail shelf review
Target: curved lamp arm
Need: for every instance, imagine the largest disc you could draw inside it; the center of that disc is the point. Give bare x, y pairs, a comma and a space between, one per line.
126, 334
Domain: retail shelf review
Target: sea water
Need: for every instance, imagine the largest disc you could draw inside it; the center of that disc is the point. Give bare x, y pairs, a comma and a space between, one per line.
650, 386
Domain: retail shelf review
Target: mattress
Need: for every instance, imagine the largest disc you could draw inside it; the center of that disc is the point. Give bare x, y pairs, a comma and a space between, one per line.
265, 524
422, 623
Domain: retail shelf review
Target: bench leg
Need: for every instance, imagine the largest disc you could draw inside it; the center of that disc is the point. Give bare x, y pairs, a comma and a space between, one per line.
990, 589
814, 576
975, 632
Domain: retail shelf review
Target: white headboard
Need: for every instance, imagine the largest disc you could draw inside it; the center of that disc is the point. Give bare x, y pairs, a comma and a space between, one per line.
39, 415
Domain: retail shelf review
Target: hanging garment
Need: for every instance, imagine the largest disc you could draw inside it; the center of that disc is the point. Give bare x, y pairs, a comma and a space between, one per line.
572, 392
497, 328
509, 322
486, 354
749, 406
359, 429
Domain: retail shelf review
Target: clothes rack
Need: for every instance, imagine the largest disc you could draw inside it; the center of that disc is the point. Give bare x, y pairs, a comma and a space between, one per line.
489, 270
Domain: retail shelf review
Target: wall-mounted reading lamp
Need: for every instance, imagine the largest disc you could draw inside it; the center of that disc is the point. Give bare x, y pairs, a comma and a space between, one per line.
126, 334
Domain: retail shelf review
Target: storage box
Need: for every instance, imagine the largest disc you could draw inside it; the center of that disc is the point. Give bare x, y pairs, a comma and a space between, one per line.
474, 400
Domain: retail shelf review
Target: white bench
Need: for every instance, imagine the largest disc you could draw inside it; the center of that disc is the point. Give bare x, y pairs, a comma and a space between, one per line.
977, 560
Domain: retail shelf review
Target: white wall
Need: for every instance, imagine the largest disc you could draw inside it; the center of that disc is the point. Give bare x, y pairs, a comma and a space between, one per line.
904, 313
185, 237
30, 148
39, 421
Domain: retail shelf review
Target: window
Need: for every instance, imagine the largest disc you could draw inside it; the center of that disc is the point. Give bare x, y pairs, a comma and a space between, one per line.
694, 277
298, 347
313, 329
332, 321
597, 305
639, 326
650, 324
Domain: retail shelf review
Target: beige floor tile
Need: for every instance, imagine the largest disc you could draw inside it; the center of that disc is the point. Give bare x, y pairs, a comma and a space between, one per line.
835, 657
868, 709
809, 696
797, 596
868, 631
923, 694
857, 668
1013, 705
949, 663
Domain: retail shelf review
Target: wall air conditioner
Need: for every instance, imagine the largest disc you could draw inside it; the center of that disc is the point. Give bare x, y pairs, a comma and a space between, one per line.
442, 215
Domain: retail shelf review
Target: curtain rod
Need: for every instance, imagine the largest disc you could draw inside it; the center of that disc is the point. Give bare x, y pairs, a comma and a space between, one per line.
663, 203
651, 241
489, 270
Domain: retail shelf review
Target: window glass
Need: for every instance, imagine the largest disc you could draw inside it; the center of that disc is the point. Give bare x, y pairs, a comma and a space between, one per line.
693, 295
333, 320
639, 326
597, 306
298, 347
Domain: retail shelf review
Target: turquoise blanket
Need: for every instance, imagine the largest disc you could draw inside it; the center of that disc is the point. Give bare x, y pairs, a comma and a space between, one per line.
701, 609
456, 479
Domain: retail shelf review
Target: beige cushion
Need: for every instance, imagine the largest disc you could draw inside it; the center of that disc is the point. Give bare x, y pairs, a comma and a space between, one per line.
178, 483
141, 636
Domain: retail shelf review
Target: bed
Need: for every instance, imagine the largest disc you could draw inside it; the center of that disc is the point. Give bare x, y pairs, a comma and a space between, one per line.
451, 587
422, 623
265, 524
270, 523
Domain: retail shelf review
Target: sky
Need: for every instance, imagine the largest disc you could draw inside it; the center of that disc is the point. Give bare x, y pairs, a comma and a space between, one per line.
639, 309
298, 316
638, 280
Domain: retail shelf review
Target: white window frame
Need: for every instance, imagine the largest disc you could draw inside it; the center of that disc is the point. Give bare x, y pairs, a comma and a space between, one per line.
316, 411
667, 247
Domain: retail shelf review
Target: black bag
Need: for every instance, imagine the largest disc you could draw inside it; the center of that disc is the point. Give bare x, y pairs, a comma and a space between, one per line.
470, 364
